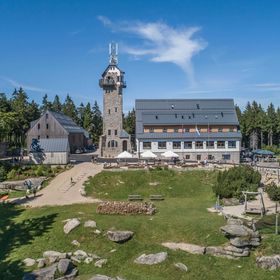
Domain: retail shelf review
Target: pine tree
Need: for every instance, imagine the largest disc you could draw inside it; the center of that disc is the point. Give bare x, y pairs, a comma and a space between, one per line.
56, 105
97, 124
46, 104
87, 118
271, 124
69, 109
81, 113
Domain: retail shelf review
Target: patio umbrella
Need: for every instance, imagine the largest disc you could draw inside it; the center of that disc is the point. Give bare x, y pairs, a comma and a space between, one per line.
148, 154
169, 154
263, 152
124, 155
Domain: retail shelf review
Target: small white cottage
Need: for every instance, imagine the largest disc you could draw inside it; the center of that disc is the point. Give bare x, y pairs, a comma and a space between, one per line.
51, 151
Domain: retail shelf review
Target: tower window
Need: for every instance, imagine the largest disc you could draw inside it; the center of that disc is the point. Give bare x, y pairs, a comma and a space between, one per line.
116, 109
116, 132
39, 126
109, 131
156, 117
47, 136
109, 111
47, 126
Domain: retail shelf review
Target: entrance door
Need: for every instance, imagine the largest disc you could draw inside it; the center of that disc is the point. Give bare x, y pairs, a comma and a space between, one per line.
124, 145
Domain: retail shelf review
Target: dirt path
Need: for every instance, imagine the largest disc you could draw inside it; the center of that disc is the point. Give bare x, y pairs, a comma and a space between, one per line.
60, 191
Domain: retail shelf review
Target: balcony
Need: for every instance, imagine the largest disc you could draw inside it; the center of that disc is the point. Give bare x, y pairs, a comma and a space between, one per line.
107, 83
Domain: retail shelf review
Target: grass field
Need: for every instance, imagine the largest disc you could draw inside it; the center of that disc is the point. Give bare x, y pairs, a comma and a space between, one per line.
181, 217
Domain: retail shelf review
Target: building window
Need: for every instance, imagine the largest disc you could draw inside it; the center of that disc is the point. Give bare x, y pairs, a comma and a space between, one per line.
47, 126
226, 157
187, 130
176, 145
39, 126
109, 144
109, 111
210, 144
220, 129
116, 109
232, 144
151, 130
176, 130
147, 145
187, 157
164, 130
38, 137
162, 145
198, 157
220, 144
210, 157
109, 131
116, 132
47, 136
188, 145
199, 145
210, 129
230, 129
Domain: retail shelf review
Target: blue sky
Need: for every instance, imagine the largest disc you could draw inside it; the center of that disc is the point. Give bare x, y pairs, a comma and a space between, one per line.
168, 49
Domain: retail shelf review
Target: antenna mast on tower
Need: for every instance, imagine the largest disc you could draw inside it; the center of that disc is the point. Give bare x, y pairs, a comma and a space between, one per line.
113, 53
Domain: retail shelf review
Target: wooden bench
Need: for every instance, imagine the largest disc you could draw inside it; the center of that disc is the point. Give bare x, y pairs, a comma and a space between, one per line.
156, 197
134, 197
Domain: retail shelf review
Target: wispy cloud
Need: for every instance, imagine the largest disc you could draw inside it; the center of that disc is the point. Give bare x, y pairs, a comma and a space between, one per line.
25, 86
162, 43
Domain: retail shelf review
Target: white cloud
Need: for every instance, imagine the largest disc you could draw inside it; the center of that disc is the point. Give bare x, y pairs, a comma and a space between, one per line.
24, 86
162, 43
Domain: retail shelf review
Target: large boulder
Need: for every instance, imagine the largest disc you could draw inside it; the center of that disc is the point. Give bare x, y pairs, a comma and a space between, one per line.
29, 262
119, 236
269, 262
42, 274
190, 248
80, 255
232, 230
151, 258
71, 224
64, 265
228, 252
90, 223
244, 242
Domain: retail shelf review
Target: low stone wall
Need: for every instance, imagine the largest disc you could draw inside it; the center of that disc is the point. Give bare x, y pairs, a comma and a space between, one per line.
125, 208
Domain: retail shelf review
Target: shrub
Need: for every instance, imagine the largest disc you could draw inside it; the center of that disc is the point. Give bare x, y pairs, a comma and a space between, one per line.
273, 192
12, 174
3, 173
230, 183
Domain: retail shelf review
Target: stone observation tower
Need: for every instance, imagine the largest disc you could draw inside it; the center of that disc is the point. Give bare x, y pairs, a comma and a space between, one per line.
114, 139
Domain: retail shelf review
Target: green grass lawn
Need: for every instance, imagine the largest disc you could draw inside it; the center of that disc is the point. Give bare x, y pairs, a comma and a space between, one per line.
181, 217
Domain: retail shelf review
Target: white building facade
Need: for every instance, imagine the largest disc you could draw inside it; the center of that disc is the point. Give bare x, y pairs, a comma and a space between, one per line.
196, 130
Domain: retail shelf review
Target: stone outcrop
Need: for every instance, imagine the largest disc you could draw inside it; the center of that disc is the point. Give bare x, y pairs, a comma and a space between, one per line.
126, 208
151, 258
269, 262
119, 236
100, 263
71, 224
190, 248
241, 237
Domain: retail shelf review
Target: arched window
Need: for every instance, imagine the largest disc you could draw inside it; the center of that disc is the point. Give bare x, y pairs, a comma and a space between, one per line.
113, 143
116, 144
109, 144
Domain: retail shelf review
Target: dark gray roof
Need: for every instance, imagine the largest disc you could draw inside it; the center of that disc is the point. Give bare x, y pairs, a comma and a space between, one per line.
124, 134
205, 136
68, 124
54, 145
184, 112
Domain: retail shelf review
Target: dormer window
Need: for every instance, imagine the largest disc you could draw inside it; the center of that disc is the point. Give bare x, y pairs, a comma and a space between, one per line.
197, 106
156, 117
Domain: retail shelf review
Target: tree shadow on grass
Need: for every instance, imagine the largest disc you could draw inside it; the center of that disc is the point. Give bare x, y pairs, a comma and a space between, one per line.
15, 234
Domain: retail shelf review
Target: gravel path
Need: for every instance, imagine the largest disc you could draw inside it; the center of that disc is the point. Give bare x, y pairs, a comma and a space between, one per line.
60, 191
